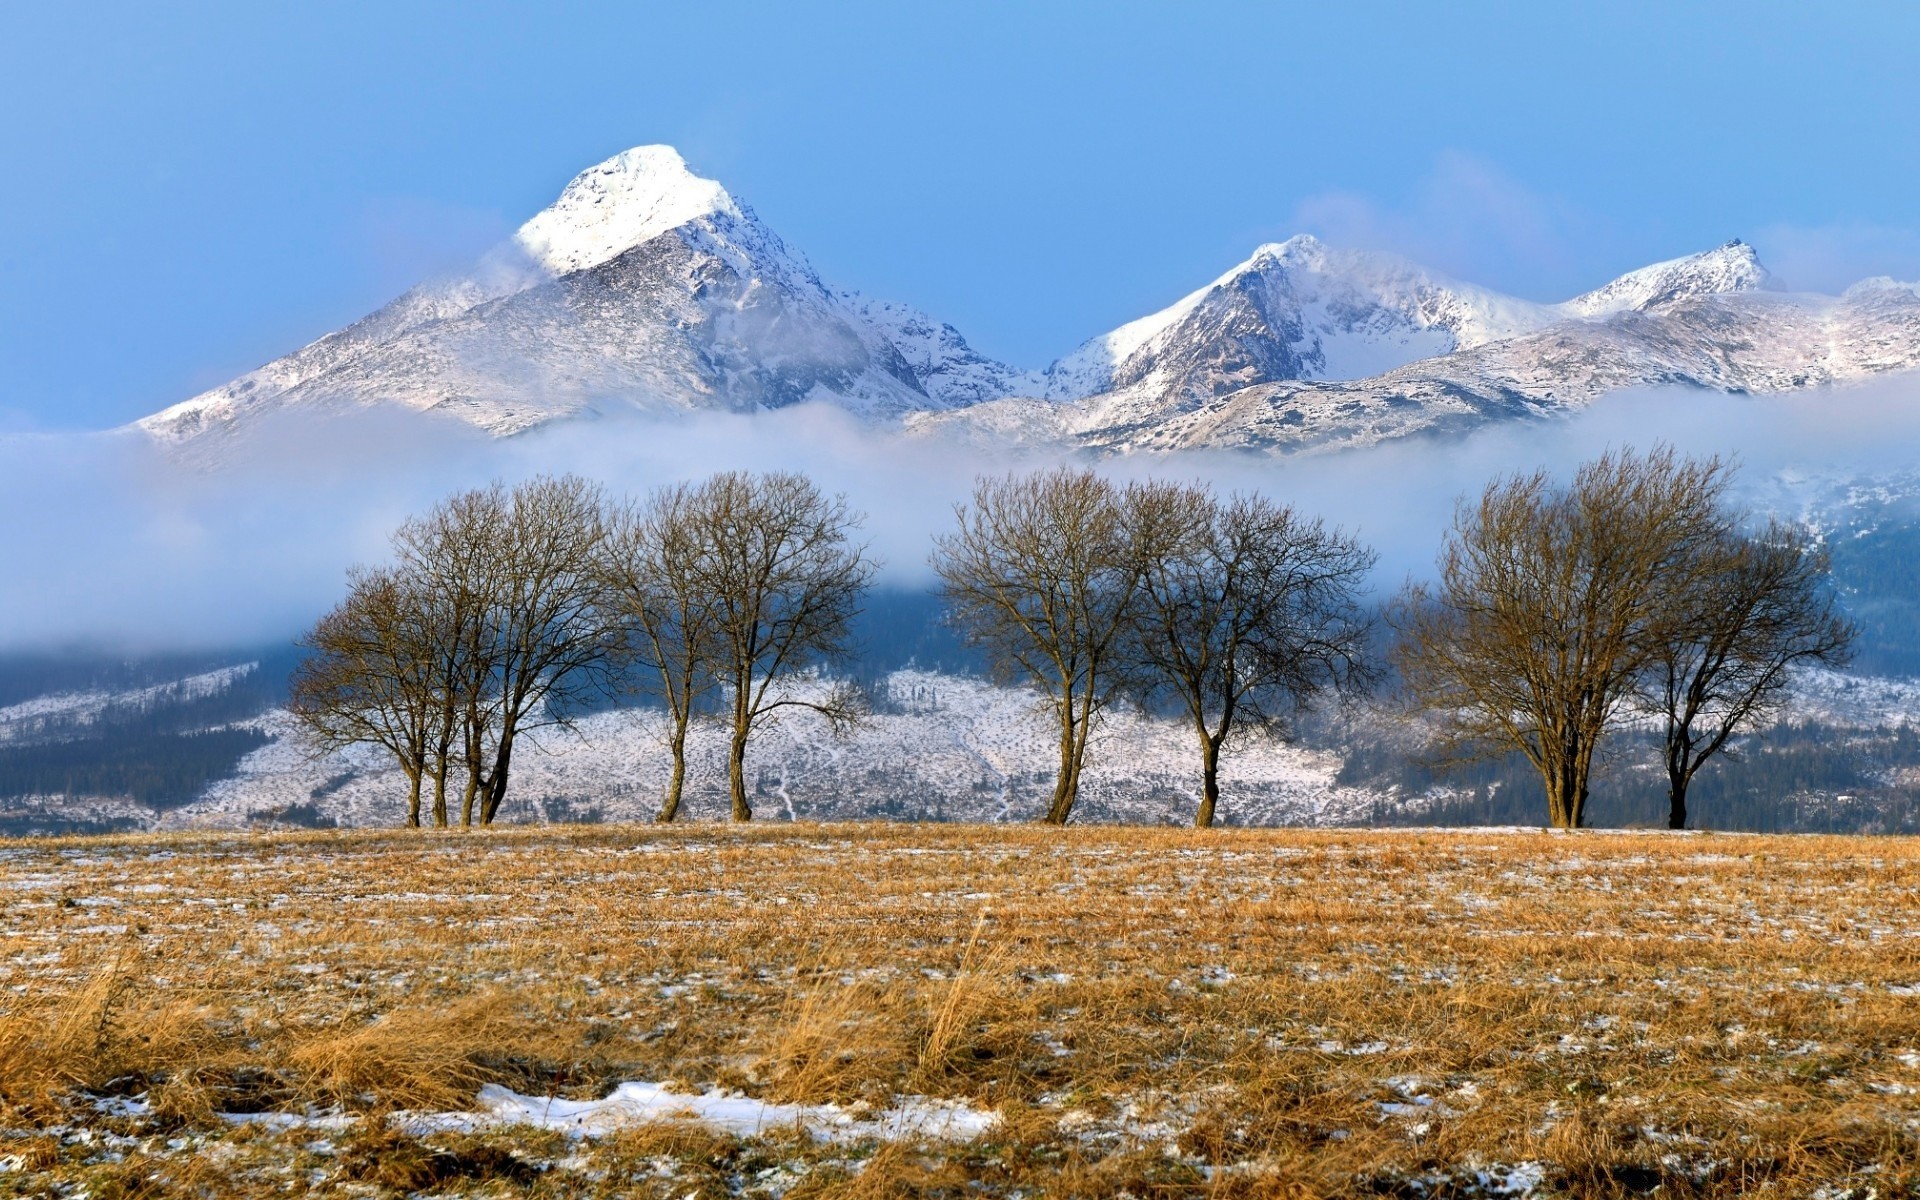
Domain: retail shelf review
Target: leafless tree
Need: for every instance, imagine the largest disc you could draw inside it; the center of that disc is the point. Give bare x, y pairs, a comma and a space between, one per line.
654, 569
781, 579
545, 636
1039, 573
489, 624
446, 573
1245, 612
1537, 632
368, 676
1752, 608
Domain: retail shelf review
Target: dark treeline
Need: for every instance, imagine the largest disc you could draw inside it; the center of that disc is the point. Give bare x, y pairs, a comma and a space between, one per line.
162, 751
158, 769
1877, 571
28, 676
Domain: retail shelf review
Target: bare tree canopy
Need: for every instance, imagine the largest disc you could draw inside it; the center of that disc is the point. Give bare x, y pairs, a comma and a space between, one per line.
1244, 612
488, 625
1719, 661
653, 565
452, 577
368, 676
781, 579
1537, 632
1039, 573
544, 634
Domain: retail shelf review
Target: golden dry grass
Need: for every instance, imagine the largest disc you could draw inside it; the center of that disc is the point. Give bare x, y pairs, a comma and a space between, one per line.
1150, 1012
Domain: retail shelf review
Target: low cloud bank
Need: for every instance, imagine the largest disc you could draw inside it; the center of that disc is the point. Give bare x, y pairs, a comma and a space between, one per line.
108, 541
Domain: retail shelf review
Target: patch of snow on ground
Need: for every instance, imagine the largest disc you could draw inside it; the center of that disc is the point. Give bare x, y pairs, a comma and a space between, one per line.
641, 1103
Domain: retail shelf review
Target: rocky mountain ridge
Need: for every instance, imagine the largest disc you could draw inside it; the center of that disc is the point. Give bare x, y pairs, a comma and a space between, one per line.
646, 288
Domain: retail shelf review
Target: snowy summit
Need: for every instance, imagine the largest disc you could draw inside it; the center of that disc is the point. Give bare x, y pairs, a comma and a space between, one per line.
631, 198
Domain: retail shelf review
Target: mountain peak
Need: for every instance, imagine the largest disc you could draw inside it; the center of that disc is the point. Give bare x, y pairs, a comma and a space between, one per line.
607, 209
1730, 267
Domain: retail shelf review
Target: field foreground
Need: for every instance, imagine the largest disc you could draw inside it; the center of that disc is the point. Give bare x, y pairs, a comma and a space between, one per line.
904, 1010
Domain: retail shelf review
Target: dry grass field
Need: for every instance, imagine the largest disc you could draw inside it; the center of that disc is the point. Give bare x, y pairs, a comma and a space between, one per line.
1142, 1012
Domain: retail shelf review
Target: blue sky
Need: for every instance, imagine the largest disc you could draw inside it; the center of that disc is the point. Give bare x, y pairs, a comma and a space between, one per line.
192, 189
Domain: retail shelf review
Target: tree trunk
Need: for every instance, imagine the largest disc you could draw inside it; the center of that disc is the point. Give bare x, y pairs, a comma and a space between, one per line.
1560, 792
413, 799
497, 784
1676, 800
467, 799
1678, 751
440, 796
1066, 784
676, 782
737, 774
1065, 791
1209, 781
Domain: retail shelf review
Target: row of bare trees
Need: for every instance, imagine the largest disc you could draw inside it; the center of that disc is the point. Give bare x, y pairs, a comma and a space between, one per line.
505, 609
1635, 593
1237, 612
1632, 593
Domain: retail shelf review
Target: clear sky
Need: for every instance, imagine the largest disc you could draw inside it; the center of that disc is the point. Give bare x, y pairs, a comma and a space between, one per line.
190, 189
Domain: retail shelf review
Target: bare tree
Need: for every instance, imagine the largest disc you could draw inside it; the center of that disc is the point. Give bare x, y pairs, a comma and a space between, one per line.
1755, 606
368, 676
1537, 631
1039, 573
1245, 612
653, 564
522, 630
781, 580
547, 633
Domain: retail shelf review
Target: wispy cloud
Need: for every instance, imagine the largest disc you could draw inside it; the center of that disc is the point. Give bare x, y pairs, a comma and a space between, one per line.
1831, 258
1472, 220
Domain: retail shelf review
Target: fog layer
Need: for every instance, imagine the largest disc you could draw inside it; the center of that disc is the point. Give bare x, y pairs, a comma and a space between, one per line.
110, 541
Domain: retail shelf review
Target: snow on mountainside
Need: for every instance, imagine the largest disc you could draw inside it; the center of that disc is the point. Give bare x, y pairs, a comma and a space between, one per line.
951, 372
1751, 342
646, 287
631, 198
1733, 267
1295, 310
1254, 361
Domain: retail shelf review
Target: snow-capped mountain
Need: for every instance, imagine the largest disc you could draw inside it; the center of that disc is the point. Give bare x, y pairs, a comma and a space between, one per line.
1304, 346
645, 287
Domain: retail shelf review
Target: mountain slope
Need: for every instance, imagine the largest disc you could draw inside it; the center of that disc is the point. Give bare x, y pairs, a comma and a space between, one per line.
644, 286
1255, 361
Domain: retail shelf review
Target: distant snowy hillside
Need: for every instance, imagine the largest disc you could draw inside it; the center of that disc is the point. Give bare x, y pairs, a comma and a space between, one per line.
948, 748
215, 749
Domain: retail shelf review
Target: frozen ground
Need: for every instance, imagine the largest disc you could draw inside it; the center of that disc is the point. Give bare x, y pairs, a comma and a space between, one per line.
926, 1009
